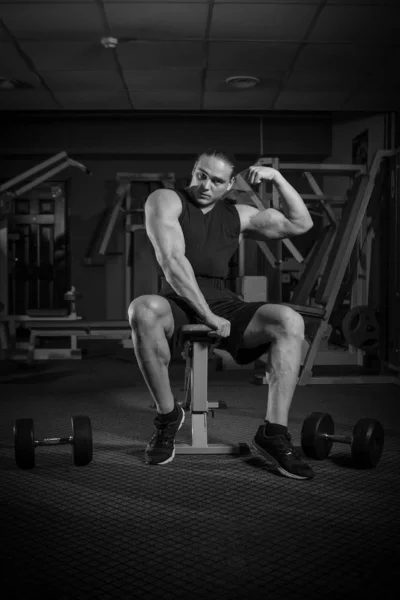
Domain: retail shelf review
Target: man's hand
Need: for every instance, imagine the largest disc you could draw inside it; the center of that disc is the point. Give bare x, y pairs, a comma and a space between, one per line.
221, 328
257, 174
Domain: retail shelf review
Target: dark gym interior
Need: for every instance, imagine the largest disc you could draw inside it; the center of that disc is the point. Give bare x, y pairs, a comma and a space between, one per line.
103, 102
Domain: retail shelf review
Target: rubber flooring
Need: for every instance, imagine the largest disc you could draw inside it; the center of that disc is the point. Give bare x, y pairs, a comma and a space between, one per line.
215, 527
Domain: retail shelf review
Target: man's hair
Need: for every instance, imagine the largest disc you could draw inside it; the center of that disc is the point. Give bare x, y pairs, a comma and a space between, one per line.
221, 155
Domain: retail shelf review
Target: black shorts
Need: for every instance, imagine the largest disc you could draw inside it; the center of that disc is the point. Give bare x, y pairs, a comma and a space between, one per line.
224, 303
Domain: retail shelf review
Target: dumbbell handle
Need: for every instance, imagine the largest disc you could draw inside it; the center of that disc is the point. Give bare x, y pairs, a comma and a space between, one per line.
53, 441
341, 439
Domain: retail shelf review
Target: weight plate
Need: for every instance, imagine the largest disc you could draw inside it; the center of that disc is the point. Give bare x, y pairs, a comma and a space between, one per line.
361, 329
82, 440
367, 444
313, 443
24, 446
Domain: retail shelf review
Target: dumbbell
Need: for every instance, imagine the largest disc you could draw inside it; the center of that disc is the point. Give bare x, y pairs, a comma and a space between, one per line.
318, 436
25, 443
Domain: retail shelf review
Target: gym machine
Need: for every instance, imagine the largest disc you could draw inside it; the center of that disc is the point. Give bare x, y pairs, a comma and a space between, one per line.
123, 249
9, 191
73, 326
327, 264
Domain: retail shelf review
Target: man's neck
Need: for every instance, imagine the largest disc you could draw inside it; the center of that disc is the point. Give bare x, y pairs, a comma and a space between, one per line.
204, 209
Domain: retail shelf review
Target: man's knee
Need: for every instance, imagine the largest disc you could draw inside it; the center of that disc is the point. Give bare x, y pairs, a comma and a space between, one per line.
281, 320
148, 310
292, 322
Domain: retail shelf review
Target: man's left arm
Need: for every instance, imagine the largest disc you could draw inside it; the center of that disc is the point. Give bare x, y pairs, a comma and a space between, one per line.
271, 223
293, 206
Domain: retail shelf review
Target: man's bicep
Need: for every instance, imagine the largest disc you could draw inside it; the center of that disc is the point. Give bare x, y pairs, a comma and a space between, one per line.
162, 210
270, 224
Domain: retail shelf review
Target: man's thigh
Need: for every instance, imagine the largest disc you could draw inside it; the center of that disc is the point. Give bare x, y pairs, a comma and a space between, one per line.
182, 314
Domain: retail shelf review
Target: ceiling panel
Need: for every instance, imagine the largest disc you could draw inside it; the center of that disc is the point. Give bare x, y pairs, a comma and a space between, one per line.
50, 56
292, 100
373, 101
163, 80
94, 101
157, 55
4, 37
58, 22
357, 24
249, 100
381, 81
343, 57
215, 80
26, 77
157, 20
262, 21
251, 55
10, 58
352, 54
27, 100
324, 80
83, 81
166, 101
358, 2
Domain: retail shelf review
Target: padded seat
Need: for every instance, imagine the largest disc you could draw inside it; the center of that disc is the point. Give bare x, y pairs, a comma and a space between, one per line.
196, 333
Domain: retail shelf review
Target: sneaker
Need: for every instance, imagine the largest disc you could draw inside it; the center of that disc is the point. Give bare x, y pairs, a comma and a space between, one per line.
280, 452
161, 448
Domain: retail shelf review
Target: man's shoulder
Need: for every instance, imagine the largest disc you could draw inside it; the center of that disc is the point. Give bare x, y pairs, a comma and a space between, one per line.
163, 193
166, 194
163, 200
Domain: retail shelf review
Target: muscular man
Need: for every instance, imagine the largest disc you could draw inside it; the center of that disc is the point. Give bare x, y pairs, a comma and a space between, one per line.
194, 232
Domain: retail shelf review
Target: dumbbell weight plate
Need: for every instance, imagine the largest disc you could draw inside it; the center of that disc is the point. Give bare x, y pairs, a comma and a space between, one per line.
367, 444
313, 443
24, 443
82, 440
361, 329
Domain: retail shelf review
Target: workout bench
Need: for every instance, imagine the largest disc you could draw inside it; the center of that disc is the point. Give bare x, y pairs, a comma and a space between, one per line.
71, 328
196, 343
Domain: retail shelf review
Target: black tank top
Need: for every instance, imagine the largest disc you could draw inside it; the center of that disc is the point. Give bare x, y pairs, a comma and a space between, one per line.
211, 238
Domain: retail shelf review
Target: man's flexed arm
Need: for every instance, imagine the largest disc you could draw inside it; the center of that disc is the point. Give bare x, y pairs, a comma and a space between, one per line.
162, 210
293, 206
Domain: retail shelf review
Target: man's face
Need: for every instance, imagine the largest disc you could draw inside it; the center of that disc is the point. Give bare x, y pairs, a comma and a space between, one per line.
211, 179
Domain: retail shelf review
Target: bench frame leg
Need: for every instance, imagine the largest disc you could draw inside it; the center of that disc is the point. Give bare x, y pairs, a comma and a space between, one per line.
198, 356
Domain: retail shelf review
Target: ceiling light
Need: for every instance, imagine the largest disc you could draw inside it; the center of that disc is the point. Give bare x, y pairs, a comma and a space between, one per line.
109, 42
242, 82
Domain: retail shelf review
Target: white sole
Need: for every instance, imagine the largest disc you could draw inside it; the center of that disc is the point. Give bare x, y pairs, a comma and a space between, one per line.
171, 458
274, 463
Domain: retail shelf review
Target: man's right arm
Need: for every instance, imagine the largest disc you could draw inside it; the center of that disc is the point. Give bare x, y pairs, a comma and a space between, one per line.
162, 210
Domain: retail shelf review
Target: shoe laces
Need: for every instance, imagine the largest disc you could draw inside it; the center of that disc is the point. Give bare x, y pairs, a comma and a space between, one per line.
289, 448
163, 430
